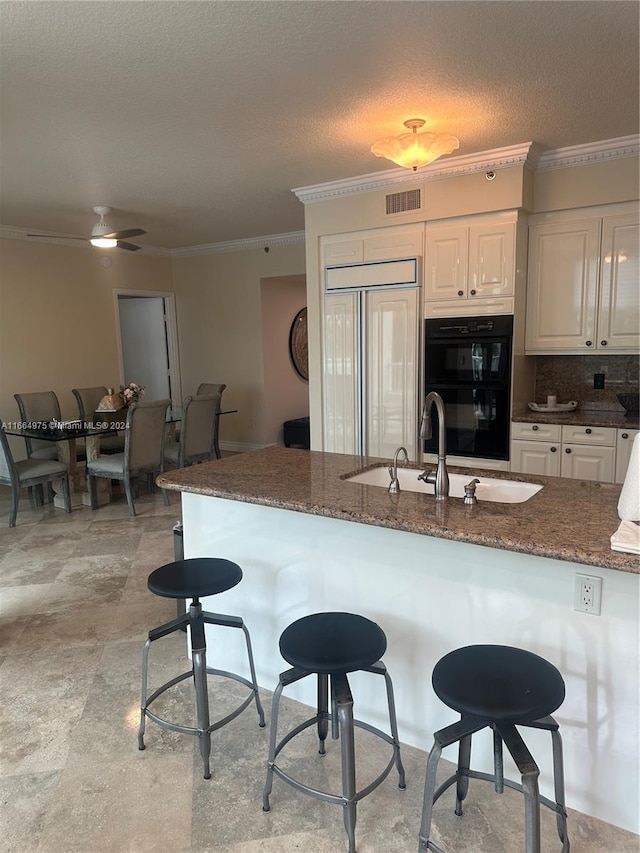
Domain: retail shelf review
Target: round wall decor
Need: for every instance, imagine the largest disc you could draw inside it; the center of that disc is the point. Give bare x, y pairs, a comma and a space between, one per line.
298, 348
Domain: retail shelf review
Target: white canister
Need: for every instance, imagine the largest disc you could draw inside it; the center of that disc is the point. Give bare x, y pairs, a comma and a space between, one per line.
552, 401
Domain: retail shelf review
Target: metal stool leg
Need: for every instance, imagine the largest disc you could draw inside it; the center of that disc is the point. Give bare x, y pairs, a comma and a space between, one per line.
143, 693
498, 762
275, 706
199, 656
254, 680
464, 762
344, 706
529, 772
393, 724
558, 781
323, 711
429, 792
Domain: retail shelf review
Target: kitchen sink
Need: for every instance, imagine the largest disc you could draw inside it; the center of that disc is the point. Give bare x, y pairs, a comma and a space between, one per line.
488, 489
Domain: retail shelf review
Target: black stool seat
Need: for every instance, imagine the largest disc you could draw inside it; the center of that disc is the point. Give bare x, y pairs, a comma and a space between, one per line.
498, 683
327, 643
194, 578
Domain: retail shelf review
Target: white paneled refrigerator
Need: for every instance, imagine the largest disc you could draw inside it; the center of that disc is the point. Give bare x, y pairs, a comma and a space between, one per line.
371, 346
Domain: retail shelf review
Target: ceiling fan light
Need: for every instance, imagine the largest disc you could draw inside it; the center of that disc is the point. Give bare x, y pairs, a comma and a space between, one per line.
415, 150
103, 243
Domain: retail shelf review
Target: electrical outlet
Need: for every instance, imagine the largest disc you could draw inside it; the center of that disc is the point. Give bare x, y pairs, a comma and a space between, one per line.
598, 381
587, 594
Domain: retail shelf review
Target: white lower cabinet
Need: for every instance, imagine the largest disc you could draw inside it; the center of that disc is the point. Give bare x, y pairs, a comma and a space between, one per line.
578, 452
624, 443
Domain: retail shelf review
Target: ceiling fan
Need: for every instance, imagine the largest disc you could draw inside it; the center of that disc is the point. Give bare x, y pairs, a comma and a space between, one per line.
103, 235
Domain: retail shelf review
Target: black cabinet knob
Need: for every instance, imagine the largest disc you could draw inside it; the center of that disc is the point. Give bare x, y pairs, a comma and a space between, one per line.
553, 449
473, 293
535, 427
568, 450
603, 343
589, 343
625, 435
588, 431
461, 293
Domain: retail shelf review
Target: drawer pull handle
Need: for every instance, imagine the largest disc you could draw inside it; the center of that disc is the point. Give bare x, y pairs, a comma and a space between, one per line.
535, 427
568, 450
461, 293
625, 435
589, 343
588, 431
553, 449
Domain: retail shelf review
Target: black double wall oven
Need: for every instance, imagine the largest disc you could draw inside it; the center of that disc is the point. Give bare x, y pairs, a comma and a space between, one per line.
468, 362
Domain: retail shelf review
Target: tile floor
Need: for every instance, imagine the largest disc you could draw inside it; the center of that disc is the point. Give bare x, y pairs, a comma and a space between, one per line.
74, 612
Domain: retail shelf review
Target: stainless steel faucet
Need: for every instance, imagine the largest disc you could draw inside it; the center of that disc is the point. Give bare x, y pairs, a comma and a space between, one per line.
394, 485
440, 477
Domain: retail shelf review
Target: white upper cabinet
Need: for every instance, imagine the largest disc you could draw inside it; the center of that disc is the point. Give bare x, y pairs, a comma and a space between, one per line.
582, 286
382, 244
470, 265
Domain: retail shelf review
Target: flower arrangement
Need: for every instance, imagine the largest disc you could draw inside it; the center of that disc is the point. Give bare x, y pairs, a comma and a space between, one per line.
132, 393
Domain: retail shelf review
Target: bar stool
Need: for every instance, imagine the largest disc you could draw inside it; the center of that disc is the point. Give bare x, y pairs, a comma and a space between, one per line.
192, 579
330, 645
498, 687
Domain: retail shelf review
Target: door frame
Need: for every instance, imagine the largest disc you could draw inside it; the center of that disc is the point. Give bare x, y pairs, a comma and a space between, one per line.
169, 302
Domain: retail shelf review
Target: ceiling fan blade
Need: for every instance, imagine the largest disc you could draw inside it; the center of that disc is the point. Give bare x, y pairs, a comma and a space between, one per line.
59, 236
128, 246
122, 235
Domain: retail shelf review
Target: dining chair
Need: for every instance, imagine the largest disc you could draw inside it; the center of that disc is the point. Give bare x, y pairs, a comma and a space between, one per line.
26, 473
196, 440
88, 400
39, 407
143, 449
212, 388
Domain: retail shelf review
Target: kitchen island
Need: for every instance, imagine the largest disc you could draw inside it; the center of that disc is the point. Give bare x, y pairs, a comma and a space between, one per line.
435, 576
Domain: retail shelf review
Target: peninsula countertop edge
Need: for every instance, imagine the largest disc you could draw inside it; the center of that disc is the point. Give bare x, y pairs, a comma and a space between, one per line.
568, 520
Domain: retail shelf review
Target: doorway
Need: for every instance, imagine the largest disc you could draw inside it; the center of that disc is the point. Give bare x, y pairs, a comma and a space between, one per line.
146, 323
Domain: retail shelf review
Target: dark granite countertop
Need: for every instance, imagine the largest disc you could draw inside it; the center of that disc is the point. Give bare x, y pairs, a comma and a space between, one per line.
566, 520
580, 417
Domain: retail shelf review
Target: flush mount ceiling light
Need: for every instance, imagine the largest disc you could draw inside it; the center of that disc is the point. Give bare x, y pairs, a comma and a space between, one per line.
415, 150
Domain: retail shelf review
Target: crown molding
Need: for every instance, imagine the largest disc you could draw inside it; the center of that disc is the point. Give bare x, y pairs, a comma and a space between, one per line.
250, 243
482, 161
531, 155
591, 152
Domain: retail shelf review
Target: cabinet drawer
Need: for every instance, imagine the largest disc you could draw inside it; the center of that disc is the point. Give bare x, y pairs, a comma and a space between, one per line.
601, 436
536, 432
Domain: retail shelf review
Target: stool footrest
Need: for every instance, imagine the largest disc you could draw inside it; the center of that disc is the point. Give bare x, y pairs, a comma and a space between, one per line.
324, 795
218, 724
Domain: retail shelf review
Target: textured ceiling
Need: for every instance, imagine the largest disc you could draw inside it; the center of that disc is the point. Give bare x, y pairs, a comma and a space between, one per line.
194, 120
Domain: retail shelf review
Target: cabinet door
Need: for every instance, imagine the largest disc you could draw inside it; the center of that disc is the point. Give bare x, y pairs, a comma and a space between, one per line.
341, 373
619, 302
623, 452
582, 462
389, 246
446, 259
491, 260
562, 286
391, 371
540, 458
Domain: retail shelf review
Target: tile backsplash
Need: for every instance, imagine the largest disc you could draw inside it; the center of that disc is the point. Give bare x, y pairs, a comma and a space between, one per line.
571, 377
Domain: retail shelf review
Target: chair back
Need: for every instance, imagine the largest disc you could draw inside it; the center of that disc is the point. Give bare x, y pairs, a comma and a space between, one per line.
88, 400
208, 388
38, 407
198, 424
144, 437
7, 465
